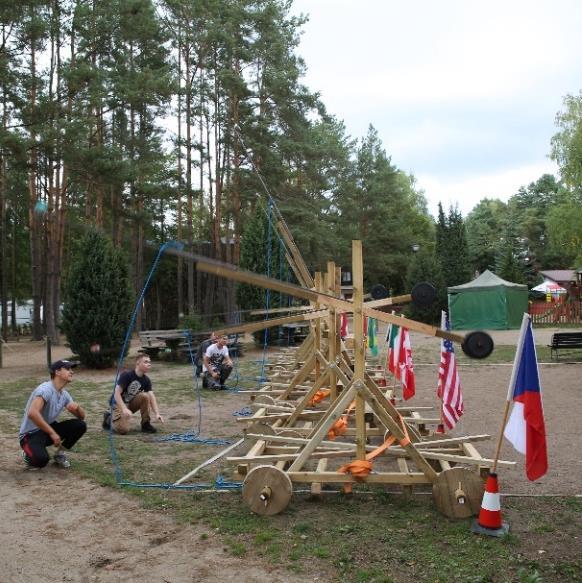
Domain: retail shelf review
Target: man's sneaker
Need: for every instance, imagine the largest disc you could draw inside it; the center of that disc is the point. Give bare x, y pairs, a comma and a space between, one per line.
61, 460
106, 420
147, 427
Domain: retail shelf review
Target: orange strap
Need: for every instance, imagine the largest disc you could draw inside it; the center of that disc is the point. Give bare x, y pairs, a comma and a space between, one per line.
340, 427
362, 468
319, 396
359, 469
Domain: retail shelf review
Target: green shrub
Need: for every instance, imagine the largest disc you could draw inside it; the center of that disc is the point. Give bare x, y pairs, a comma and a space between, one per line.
97, 301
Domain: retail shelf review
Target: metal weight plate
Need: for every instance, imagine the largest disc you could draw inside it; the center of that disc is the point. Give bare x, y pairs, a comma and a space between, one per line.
477, 344
378, 292
423, 294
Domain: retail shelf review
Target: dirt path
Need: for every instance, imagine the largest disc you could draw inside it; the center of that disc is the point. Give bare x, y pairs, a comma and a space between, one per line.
59, 527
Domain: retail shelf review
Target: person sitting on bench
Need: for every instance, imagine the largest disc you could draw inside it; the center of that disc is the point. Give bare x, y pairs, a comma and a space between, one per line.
217, 364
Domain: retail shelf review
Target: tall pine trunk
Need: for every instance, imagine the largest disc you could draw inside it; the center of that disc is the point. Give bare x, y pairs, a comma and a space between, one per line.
34, 217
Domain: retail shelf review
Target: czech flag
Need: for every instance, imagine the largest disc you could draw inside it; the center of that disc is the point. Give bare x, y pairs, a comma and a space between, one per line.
526, 428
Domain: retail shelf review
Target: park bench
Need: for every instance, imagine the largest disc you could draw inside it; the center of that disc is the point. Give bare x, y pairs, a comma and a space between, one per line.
565, 341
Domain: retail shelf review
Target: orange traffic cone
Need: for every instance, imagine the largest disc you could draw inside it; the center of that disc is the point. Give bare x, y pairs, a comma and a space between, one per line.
489, 521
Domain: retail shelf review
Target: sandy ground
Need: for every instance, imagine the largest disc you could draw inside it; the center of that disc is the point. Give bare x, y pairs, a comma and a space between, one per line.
59, 527
46, 514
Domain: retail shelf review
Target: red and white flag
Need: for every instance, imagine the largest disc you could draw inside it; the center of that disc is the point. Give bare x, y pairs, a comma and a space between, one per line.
406, 366
449, 384
343, 325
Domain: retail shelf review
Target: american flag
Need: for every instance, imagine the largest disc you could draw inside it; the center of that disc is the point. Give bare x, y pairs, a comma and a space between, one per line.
449, 384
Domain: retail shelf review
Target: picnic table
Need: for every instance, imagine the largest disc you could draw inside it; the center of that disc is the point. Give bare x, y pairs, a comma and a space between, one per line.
178, 343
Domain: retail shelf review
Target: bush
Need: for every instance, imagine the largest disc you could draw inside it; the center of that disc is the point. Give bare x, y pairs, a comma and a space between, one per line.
97, 301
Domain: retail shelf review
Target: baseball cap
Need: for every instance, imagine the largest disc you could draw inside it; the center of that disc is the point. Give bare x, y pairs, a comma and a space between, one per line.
62, 364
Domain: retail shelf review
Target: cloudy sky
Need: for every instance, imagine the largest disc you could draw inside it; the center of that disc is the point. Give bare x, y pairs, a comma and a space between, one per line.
463, 93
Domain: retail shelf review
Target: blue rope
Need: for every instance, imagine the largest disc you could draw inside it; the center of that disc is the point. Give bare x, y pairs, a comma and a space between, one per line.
190, 437
244, 412
138, 304
219, 484
193, 436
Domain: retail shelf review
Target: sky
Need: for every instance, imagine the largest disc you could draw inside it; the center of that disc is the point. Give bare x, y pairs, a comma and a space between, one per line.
463, 93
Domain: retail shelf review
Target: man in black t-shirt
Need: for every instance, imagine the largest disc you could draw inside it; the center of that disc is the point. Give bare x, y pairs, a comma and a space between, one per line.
133, 393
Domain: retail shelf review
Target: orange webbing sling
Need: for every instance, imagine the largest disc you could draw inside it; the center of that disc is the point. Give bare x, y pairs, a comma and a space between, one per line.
360, 469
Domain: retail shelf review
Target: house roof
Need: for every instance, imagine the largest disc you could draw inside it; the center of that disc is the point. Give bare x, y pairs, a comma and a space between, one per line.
486, 280
560, 275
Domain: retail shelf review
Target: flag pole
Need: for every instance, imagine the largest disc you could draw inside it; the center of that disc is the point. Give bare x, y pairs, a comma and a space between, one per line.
511, 389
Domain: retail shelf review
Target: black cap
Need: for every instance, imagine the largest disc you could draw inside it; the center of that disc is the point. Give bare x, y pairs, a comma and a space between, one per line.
62, 364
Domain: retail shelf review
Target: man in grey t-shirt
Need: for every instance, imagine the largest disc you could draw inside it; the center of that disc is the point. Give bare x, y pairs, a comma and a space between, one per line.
40, 428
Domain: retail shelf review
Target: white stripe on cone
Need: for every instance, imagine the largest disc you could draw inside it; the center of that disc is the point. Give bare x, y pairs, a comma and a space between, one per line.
491, 502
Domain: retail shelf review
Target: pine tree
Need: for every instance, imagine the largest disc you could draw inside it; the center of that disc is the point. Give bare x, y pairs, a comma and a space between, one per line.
451, 247
255, 250
97, 301
426, 267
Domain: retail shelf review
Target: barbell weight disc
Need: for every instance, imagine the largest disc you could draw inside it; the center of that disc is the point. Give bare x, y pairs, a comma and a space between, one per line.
423, 294
478, 344
378, 292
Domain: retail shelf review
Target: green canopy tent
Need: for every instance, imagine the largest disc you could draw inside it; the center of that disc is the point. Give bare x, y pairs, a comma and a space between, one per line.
487, 302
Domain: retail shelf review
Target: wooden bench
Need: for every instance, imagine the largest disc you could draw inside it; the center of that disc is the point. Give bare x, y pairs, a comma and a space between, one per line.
565, 341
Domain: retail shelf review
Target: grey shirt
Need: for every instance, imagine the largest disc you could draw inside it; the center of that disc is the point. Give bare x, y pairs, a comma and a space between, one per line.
54, 403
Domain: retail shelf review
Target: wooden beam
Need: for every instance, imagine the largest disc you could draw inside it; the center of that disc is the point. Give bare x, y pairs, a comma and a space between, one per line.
375, 478
254, 326
235, 273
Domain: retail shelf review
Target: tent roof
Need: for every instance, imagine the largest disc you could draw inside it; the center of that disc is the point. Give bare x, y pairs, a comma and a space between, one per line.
487, 280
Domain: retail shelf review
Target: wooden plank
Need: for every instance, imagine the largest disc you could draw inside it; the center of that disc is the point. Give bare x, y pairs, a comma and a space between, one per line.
299, 409
471, 450
254, 326
268, 458
300, 264
403, 467
299, 377
375, 478
320, 431
316, 486
404, 299
384, 410
463, 459
359, 347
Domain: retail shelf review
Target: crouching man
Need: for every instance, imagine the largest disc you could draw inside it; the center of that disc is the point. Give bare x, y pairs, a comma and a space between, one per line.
133, 393
217, 364
40, 428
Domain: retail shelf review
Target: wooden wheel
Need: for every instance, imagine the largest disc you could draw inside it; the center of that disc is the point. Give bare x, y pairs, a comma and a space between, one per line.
458, 493
264, 400
287, 404
289, 433
260, 429
267, 490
